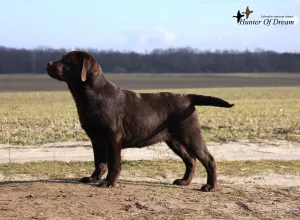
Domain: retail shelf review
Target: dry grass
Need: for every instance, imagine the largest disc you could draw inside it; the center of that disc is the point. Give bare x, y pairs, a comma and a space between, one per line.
260, 113
149, 169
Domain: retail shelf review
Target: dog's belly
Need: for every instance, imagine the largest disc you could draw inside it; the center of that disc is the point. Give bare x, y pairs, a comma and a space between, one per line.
143, 134
139, 142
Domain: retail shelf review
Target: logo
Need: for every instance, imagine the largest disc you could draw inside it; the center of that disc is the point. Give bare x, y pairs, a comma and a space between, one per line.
267, 20
248, 12
239, 16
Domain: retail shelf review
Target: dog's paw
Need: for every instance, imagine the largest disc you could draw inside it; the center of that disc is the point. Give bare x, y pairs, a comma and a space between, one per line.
89, 180
105, 184
181, 182
208, 188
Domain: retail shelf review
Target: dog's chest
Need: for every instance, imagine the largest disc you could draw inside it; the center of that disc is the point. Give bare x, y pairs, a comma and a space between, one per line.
90, 122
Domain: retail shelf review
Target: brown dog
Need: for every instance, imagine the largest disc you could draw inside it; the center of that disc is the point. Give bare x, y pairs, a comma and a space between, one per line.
114, 119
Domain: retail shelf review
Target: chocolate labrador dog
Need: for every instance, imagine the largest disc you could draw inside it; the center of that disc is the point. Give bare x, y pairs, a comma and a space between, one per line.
114, 119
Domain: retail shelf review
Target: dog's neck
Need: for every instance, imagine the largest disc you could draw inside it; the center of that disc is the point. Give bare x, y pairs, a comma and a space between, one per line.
79, 88
85, 94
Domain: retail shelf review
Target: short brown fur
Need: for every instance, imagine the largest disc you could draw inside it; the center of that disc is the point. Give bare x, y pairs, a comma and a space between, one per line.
114, 119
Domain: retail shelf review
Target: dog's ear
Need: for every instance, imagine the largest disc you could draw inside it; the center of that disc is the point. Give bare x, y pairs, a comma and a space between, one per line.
89, 66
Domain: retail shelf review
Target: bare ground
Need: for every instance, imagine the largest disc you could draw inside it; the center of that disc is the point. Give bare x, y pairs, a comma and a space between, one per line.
42, 82
82, 151
263, 196
146, 200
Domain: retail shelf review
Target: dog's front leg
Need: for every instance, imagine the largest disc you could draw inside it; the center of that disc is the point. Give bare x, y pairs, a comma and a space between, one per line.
100, 161
113, 161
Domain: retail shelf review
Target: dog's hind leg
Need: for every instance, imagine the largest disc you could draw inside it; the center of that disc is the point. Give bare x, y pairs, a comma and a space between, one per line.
189, 161
192, 138
208, 162
196, 146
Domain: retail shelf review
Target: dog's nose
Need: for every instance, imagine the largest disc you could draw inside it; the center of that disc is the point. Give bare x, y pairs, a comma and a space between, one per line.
49, 64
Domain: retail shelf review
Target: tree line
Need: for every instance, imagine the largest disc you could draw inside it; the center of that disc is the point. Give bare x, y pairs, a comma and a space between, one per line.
172, 60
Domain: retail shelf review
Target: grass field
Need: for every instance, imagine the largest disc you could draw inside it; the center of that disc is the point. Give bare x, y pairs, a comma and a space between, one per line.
164, 169
29, 118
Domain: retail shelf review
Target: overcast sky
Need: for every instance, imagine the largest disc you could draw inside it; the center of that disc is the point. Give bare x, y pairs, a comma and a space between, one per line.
141, 25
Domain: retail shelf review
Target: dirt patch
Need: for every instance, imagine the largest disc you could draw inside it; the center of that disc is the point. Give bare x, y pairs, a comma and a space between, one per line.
82, 151
145, 200
263, 180
42, 82
267, 179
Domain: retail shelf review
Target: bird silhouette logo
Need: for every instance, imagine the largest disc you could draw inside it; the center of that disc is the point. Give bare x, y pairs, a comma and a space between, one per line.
247, 12
238, 16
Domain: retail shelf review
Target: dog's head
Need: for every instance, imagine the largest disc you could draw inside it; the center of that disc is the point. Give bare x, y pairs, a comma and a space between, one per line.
74, 66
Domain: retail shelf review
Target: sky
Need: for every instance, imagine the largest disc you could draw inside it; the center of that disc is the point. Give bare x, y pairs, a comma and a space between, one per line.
141, 26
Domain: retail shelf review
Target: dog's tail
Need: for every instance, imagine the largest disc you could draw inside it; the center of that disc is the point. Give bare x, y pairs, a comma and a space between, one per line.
209, 101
